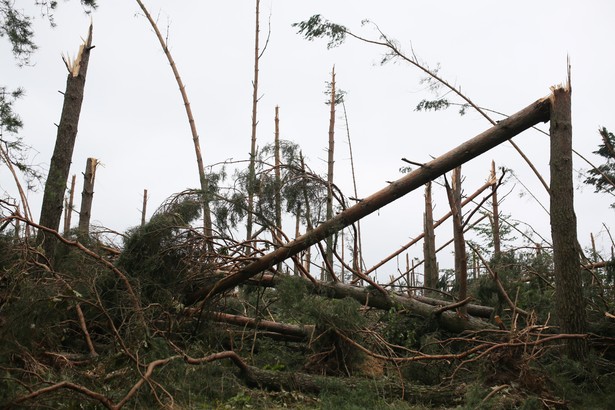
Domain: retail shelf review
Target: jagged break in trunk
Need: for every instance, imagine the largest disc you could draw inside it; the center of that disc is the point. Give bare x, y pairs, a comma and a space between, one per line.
59, 167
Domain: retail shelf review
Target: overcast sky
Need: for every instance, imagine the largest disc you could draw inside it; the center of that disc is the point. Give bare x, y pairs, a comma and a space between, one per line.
503, 55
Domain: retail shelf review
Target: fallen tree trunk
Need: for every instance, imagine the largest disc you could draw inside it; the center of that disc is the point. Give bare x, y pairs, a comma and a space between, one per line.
535, 113
301, 333
390, 389
448, 320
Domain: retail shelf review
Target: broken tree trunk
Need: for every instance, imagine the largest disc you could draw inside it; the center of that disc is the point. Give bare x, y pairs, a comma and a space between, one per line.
569, 300
299, 333
59, 167
87, 196
429, 244
68, 211
447, 319
461, 257
495, 224
450, 395
535, 113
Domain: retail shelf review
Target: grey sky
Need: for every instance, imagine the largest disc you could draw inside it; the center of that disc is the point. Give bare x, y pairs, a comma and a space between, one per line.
504, 55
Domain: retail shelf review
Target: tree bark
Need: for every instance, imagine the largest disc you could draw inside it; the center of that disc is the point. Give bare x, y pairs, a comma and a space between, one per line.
59, 167
68, 212
307, 383
278, 181
461, 257
204, 182
495, 226
330, 163
251, 185
448, 320
569, 301
504, 130
87, 196
429, 244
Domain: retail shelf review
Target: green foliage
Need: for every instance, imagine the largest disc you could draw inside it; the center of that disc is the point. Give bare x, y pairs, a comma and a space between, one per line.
399, 328
296, 187
17, 26
155, 253
603, 178
316, 27
433, 105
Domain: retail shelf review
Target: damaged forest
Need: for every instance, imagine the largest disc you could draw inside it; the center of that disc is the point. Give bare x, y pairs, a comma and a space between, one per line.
254, 290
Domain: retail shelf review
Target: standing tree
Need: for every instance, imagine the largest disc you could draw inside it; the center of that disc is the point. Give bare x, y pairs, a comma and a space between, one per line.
429, 243
569, 300
59, 167
330, 164
252, 175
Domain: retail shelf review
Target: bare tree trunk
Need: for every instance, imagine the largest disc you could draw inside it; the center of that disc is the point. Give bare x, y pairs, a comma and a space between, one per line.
357, 258
278, 181
330, 163
297, 234
537, 112
497, 250
251, 172
144, 207
569, 300
68, 212
59, 167
204, 182
308, 218
461, 257
87, 196
429, 244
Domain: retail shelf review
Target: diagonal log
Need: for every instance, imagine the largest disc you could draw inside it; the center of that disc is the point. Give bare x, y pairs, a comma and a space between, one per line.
533, 114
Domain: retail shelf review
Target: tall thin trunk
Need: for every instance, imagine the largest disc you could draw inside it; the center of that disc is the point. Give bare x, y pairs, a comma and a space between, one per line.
308, 217
204, 182
461, 258
87, 195
357, 258
68, 212
59, 167
278, 180
297, 233
569, 300
330, 163
496, 215
429, 243
252, 171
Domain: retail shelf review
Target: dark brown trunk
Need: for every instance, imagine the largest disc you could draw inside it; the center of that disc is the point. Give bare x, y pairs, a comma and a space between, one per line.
87, 195
461, 257
569, 301
429, 244
59, 167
